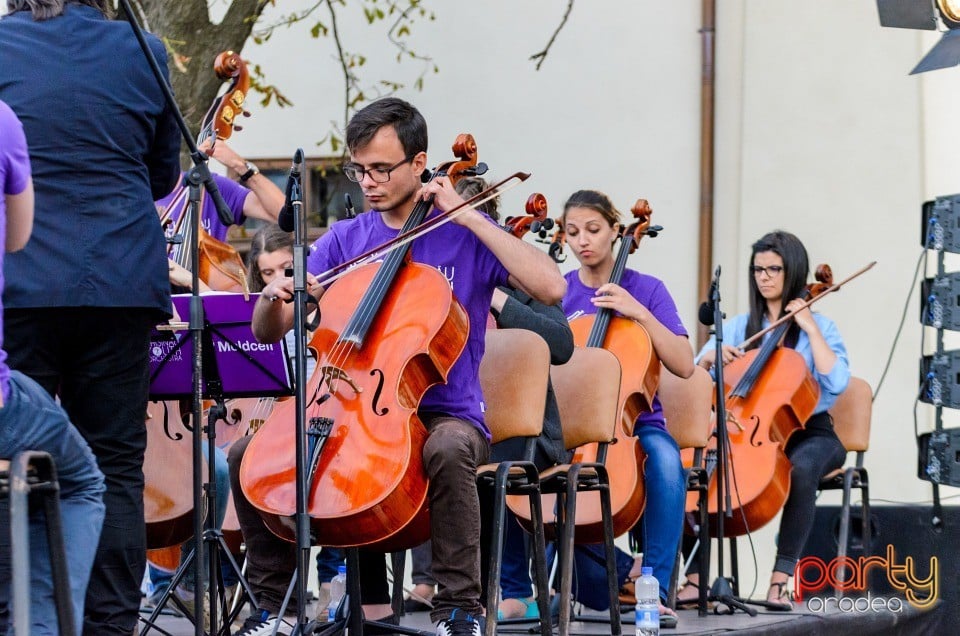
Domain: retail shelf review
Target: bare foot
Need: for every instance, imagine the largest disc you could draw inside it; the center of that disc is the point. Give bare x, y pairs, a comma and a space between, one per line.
513, 608
690, 592
778, 594
422, 592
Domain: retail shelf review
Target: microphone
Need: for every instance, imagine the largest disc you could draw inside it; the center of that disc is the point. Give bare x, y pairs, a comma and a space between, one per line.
348, 206
286, 219
708, 308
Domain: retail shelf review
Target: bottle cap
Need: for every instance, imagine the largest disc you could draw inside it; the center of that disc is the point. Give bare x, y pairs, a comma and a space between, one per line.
341, 569
646, 571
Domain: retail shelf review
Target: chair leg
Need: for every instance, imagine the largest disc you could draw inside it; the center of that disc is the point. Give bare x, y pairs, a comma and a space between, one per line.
704, 560
867, 528
606, 511
49, 489
58, 554
844, 534
565, 549
496, 547
540, 562
19, 541
398, 564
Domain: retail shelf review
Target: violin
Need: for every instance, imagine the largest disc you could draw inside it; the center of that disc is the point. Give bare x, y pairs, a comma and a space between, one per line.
220, 266
535, 220
770, 394
624, 457
389, 330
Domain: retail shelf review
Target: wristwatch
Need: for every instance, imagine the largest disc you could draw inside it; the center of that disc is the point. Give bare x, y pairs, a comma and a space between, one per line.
251, 170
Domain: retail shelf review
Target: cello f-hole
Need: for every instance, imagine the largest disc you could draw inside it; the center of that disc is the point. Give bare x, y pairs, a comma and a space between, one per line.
376, 394
753, 434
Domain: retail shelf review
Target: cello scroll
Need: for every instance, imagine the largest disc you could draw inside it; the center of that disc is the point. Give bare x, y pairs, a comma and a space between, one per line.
229, 65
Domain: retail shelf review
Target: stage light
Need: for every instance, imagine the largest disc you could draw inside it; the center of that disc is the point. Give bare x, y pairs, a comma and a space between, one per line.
928, 15
950, 11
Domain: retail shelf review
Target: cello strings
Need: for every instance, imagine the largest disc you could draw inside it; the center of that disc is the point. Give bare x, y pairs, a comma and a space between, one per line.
380, 284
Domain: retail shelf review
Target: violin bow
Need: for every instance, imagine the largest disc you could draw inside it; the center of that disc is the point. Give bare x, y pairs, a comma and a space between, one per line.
746, 343
403, 238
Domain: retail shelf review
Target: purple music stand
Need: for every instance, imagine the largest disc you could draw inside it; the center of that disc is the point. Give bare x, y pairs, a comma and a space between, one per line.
233, 358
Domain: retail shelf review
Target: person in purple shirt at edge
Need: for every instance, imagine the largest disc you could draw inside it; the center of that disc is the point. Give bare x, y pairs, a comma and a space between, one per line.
591, 223
387, 141
31, 420
255, 197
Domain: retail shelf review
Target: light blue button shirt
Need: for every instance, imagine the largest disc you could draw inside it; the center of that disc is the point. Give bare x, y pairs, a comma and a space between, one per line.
831, 384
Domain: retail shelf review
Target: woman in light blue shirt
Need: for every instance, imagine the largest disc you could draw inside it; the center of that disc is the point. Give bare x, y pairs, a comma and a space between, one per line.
778, 274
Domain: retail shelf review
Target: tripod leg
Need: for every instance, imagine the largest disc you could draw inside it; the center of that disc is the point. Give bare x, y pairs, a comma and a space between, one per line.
168, 595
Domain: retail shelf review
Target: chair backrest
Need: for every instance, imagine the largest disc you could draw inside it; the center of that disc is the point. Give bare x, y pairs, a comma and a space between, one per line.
688, 406
588, 393
513, 375
851, 415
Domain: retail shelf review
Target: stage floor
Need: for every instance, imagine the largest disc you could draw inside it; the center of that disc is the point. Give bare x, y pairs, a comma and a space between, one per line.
800, 622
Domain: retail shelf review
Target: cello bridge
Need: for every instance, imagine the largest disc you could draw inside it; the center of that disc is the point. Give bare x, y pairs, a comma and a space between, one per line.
333, 374
732, 419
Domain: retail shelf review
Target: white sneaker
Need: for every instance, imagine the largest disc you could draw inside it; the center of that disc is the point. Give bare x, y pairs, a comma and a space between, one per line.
265, 626
461, 624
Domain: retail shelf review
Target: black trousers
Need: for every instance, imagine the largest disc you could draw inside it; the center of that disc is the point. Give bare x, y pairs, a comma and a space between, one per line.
814, 451
96, 360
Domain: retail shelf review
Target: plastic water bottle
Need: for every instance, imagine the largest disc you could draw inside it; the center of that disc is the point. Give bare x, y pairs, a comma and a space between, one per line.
338, 589
648, 603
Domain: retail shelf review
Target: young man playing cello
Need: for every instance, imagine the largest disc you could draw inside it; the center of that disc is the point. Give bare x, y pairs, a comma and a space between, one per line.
387, 142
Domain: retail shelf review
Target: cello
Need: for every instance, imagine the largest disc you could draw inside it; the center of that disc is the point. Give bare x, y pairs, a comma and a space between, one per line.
220, 266
770, 393
389, 330
168, 501
624, 459
535, 220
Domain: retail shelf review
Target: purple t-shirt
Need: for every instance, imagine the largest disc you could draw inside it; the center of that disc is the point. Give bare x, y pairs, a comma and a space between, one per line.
473, 272
14, 175
234, 195
652, 294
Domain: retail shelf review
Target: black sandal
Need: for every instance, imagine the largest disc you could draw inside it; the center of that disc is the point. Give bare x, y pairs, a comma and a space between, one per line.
691, 603
779, 605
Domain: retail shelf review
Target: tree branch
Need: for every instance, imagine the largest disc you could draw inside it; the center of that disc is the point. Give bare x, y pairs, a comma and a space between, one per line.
243, 11
542, 55
341, 56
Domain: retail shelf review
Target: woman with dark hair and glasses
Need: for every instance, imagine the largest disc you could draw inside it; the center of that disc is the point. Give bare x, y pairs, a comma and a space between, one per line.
777, 277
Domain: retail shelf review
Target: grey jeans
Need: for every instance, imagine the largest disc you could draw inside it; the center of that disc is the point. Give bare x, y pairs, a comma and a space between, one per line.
451, 455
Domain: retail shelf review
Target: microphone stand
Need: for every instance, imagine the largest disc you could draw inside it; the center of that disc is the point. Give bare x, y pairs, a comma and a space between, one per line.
721, 590
302, 519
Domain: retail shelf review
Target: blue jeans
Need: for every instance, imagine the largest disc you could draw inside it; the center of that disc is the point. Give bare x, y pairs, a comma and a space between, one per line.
515, 579
328, 560
31, 420
160, 579
658, 531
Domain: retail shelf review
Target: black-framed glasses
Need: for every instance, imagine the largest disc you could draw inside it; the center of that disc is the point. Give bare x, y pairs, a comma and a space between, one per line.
772, 270
356, 172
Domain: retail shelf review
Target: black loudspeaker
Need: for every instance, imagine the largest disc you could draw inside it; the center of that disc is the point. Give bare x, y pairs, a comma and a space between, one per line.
940, 301
940, 379
904, 540
940, 229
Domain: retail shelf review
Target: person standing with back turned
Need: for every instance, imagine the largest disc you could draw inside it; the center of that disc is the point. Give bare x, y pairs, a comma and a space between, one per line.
81, 298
